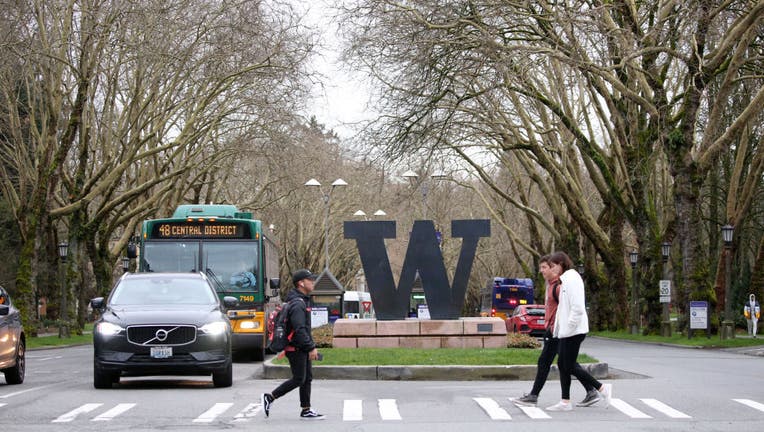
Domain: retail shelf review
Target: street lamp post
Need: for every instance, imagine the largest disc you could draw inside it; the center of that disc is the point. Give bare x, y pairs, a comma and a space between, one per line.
666, 323
125, 264
728, 326
633, 258
63, 327
412, 177
327, 196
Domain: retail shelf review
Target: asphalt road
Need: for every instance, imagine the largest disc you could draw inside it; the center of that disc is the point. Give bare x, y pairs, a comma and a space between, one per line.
656, 388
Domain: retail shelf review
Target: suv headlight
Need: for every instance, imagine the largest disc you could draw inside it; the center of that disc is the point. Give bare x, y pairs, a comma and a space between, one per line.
108, 329
214, 328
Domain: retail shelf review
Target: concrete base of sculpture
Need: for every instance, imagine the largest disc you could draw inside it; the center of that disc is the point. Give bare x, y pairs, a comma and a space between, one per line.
478, 332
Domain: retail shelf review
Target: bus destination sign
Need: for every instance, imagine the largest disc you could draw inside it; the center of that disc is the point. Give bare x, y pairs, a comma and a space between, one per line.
177, 230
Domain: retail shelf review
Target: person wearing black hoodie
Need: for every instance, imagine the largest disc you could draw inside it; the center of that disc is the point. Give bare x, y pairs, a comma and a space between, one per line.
301, 351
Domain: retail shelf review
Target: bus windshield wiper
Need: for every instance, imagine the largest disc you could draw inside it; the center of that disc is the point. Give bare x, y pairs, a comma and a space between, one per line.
216, 279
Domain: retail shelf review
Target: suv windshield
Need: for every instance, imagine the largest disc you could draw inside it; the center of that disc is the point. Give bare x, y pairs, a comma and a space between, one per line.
162, 291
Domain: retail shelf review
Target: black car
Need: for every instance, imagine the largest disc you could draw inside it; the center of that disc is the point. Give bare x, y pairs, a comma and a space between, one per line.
12, 341
162, 324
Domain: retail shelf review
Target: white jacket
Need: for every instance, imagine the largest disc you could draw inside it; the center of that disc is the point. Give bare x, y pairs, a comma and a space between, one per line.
571, 318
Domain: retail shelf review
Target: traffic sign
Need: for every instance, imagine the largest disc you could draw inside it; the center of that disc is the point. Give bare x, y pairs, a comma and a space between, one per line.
665, 291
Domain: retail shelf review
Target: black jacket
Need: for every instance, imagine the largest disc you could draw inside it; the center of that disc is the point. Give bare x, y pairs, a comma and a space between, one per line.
299, 321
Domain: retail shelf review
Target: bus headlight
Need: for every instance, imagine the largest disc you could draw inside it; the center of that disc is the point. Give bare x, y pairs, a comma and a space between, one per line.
108, 329
214, 328
248, 325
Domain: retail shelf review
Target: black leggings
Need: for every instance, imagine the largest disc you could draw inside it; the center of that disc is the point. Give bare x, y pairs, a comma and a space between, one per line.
302, 375
550, 349
566, 361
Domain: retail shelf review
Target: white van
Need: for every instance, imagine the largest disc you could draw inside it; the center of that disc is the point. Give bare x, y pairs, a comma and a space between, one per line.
357, 304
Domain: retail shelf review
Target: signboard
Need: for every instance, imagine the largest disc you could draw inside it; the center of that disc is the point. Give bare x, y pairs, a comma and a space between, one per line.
423, 312
205, 230
319, 315
665, 291
698, 315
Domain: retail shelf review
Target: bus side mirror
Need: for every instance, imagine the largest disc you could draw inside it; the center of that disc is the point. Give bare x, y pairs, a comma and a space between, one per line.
275, 283
132, 251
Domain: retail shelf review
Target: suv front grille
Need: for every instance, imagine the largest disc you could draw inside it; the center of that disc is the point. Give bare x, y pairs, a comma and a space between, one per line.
164, 335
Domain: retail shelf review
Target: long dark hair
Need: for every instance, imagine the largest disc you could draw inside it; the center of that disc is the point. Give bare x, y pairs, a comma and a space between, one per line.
562, 259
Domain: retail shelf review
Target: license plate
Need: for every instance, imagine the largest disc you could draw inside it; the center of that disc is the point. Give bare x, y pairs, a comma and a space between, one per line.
161, 352
541, 321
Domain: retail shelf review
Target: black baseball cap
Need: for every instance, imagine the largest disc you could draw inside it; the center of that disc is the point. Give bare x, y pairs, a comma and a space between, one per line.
303, 274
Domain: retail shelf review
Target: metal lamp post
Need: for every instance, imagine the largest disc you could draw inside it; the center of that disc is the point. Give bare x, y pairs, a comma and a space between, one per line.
728, 326
125, 264
633, 258
412, 177
580, 268
63, 327
666, 322
327, 196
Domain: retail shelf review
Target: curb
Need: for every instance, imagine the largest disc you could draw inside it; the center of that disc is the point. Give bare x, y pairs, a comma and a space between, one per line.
427, 373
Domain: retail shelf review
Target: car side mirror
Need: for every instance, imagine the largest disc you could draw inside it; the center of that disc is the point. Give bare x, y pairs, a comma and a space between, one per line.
97, 303
230, 302
5, 309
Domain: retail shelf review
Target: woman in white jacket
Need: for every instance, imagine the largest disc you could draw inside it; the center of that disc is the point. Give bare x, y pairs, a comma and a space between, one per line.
571, 326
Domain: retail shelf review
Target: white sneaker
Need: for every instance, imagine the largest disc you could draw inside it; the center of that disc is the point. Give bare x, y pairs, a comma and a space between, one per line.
607, 393
561, 406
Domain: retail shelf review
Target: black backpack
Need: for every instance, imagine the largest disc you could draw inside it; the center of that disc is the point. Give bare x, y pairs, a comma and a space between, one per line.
278, 334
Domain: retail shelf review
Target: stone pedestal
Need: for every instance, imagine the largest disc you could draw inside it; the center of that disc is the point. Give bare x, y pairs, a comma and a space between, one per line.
478, 332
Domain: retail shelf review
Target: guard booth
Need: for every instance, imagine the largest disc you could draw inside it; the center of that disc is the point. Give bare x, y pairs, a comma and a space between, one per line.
326, 300
418, 301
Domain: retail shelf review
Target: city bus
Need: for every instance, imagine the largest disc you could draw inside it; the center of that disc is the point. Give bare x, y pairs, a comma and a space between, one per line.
501, 296
235, 253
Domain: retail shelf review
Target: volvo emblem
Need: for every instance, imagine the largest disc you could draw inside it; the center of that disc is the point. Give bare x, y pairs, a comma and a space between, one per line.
161, 335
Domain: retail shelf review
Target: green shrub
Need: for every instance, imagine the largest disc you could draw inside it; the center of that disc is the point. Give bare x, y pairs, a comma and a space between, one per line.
322, 336
519, 340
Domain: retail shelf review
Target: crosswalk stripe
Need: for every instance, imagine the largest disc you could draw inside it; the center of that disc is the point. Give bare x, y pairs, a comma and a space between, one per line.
388, 409
117, 410
248, 412
352, 410
493, 409
71, 415
535, 413
665, 409
627, 409
212, 413
750, 403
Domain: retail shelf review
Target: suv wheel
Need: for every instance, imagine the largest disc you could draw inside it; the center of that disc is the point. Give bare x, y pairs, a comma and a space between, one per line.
223, 378
101, 379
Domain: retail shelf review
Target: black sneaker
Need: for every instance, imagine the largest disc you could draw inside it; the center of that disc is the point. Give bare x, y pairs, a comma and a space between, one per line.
309, 414
267, 399
526, 400
592, 397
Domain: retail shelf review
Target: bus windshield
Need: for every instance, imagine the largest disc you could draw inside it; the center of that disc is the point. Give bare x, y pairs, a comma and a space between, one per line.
231, 266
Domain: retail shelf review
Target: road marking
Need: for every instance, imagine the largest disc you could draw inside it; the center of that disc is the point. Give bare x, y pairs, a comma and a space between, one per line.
248, 412
212, 413
352, 410
71, 415
388, 409
665, 409
627, 409
492, 408
2, 405
535, 413
25, 391
117, 410
50, 358
750, 403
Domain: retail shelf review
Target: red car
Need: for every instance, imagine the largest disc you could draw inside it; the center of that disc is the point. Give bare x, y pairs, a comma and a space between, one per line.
527, 319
